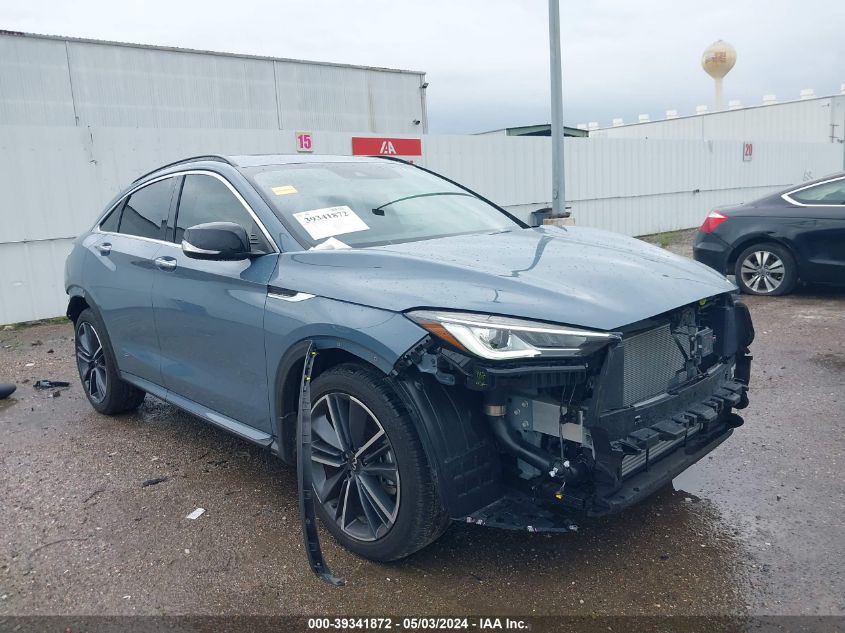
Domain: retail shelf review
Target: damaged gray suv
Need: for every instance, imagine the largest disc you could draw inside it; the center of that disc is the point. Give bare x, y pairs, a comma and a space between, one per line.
468, 367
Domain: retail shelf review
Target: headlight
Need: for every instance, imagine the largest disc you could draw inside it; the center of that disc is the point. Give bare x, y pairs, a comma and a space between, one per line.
501, 338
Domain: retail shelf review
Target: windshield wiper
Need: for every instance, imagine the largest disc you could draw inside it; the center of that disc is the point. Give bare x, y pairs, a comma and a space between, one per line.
380, 209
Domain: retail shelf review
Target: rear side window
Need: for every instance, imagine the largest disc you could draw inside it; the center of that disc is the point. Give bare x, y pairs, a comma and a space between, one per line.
145, 212
207, 199
825, 193
112, 220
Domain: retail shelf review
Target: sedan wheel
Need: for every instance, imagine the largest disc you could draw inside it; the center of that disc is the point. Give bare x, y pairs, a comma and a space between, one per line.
766, 269
356, 478
91, 360
762, 271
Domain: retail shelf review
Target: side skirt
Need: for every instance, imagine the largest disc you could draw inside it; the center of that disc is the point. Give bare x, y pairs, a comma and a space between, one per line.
227, 424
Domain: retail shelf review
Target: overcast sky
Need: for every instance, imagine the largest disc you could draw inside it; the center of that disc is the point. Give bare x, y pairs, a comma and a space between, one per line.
487, 60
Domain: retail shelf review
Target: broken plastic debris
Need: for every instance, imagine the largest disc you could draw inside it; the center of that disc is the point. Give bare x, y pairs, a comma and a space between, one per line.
50, 384
196, 514
153, 482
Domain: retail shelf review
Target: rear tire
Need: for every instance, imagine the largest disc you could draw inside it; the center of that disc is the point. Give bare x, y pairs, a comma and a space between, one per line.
95, 360
390, 503
767, 269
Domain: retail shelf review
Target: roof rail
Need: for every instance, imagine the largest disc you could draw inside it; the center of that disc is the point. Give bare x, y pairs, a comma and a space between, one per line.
216, 157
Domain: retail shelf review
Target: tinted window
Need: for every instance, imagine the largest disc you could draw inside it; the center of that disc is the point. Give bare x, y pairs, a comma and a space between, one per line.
826, 193
208, 199
146, 210
371, 203
112, 220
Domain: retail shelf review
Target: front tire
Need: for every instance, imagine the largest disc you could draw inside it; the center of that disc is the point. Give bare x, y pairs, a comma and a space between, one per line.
372, 480
766, 269
95, 360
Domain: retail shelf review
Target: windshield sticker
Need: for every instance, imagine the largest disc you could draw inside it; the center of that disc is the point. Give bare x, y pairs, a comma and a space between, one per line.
330, 221
283, 191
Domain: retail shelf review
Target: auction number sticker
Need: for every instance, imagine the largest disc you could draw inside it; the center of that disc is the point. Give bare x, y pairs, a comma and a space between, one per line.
330, 221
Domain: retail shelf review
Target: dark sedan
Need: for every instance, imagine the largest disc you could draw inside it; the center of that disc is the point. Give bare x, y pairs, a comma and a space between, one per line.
771, 244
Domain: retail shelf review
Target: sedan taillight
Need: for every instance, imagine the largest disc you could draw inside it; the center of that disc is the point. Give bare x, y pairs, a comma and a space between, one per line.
713, 219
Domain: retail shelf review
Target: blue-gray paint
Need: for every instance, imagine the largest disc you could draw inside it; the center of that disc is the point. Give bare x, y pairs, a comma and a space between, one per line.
210, 322
575, 276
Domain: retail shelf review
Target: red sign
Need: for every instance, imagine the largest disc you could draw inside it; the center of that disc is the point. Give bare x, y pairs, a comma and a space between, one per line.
747, 151
378, 146
304, 142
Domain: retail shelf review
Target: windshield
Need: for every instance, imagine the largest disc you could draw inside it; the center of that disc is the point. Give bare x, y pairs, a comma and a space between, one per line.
360, 204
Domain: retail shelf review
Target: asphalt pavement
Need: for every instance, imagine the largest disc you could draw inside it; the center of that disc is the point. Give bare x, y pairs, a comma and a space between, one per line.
755, 528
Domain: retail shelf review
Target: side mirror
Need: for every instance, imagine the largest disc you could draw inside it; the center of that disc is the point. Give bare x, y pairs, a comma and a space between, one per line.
222, 241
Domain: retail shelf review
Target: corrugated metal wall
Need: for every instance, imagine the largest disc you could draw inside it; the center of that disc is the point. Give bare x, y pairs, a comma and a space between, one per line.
809, 121
79, 120
55, 179
55, 81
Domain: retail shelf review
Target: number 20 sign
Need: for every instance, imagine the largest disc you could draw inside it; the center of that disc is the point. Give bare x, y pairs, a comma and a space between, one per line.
304, 142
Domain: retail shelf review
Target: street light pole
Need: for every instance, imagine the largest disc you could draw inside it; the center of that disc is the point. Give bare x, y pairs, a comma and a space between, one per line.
558, 177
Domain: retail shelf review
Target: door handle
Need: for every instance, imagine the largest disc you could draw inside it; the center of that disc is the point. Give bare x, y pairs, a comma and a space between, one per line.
104, 249
165, 263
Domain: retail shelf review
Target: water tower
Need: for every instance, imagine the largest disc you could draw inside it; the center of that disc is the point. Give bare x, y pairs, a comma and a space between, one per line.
717, 61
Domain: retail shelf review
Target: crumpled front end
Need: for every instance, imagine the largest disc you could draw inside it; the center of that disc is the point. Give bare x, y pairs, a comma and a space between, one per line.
598, 433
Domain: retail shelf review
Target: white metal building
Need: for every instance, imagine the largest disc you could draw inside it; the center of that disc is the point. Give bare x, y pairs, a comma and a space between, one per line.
48, 80
80, 120
60, 97
808, 120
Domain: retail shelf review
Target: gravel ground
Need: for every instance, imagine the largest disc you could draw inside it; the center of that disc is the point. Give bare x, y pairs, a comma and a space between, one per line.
678, 242
755, 528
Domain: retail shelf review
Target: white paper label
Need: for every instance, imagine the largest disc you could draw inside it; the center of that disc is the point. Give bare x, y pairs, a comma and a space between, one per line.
331, 244
331, 221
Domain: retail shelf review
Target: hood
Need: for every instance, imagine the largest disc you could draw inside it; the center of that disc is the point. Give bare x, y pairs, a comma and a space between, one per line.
575, 276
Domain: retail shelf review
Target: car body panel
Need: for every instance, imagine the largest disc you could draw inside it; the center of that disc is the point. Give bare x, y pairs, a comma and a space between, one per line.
210, 321
575, 276
120, 284
377, 337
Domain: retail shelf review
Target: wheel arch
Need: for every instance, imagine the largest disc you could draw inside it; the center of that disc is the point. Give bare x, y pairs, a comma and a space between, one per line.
286, 382
460, 450
75, 306
760, 238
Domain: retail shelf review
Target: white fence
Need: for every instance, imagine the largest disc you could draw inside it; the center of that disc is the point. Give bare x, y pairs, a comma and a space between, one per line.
54, 180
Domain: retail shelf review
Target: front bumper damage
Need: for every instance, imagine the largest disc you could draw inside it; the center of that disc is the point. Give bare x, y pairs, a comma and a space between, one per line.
518, 510
587, 436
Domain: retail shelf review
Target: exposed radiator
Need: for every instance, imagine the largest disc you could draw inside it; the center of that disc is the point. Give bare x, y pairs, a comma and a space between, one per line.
651, 360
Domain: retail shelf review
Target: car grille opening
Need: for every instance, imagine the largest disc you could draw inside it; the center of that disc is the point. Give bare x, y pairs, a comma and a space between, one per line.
651, 360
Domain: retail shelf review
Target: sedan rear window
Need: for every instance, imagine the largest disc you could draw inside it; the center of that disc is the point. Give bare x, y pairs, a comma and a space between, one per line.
824, 193
372, 203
